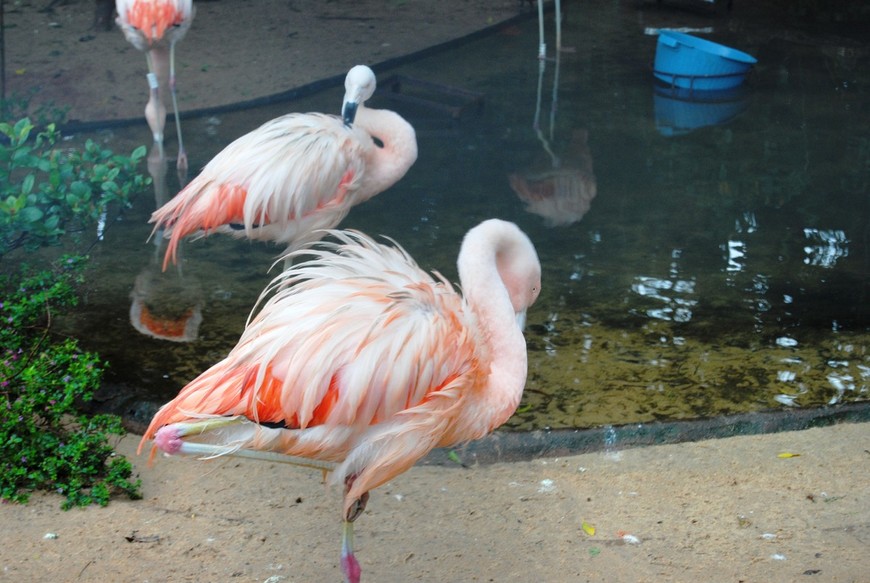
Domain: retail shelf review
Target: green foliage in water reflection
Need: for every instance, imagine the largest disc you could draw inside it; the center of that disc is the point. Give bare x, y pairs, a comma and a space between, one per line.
47, 191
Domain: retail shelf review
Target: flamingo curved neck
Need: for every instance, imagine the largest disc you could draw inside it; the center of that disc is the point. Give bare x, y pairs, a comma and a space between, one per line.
487, 296
394, 149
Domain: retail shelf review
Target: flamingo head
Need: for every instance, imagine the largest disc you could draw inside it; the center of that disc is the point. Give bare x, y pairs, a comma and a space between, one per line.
359, 85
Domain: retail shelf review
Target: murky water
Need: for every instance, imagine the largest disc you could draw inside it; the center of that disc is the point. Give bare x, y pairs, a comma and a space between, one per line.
712, 257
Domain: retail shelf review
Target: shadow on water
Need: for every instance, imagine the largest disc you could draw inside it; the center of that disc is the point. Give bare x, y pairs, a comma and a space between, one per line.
706, 261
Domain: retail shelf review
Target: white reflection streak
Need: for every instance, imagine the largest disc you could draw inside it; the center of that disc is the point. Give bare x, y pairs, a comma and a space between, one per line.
749, 220
734, 248
678, 309
550, 326
842, 383
828, 246
788, 376
101, 226
787, 400
736, 253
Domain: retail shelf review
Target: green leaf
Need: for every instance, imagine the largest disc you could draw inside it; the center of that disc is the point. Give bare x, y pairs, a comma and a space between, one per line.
80, 189
22, 129
139, 153
27, 184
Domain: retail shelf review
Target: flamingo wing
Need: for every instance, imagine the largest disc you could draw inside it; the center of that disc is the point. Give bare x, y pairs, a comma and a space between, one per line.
352, 339
284, 172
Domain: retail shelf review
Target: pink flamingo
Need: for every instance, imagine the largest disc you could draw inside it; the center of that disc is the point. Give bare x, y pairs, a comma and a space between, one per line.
154, 26
361, 363
296, 174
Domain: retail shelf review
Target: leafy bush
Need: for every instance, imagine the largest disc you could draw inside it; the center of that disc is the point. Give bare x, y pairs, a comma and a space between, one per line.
44, 442
46, 191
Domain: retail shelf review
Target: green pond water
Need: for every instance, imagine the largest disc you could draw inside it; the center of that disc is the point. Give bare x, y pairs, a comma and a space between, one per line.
713, 257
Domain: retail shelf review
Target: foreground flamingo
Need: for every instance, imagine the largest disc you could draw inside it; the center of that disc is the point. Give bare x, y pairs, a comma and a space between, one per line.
296, 174
361, 363
154, 26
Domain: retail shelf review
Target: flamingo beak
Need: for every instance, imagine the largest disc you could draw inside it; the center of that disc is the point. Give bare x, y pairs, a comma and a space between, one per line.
348, 112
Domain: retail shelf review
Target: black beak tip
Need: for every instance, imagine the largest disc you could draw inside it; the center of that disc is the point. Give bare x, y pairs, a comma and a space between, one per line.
348, 113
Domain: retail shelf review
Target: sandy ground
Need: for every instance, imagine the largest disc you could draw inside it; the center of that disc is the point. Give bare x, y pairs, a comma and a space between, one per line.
723, 510
235, 51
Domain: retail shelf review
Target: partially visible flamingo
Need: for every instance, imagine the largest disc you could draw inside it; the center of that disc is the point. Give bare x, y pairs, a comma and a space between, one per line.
154, 26
295, 175
361, 363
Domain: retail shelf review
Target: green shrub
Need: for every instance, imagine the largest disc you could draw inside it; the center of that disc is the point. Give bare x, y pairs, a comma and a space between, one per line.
47, 191
45, 443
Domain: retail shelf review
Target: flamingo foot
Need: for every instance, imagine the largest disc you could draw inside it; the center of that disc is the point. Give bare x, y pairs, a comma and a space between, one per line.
168, 439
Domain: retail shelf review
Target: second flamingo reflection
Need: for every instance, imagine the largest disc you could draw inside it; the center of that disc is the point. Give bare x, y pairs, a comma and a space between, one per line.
295, 174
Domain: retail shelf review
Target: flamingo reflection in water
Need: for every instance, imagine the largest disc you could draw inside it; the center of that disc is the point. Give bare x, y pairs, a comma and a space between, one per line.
165, 305
561, 192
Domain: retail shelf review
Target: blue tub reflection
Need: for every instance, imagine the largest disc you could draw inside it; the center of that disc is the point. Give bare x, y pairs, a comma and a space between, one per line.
679, 111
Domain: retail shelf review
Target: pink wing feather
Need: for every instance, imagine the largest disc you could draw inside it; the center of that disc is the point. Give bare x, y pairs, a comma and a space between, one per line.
354, 337
277, 177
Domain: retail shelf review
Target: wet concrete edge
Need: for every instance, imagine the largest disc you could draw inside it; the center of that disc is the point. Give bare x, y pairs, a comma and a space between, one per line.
503, 446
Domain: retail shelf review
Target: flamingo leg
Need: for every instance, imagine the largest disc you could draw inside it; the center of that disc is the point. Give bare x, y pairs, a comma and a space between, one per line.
182, 154
157, 170
171, 440
349, 565
155, 111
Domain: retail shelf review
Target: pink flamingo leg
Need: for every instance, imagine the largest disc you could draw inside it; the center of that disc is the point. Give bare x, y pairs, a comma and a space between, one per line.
155, 113
182, 153
155, 110
349, 565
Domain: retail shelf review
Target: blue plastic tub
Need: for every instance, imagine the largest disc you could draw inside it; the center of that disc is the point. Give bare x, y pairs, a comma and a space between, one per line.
689, 62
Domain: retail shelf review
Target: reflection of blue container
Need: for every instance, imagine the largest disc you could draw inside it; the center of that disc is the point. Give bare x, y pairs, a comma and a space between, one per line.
686, 61
679, 111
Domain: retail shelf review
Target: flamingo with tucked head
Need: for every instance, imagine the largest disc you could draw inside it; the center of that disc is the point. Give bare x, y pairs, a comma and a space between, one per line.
360, 363
295, 175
